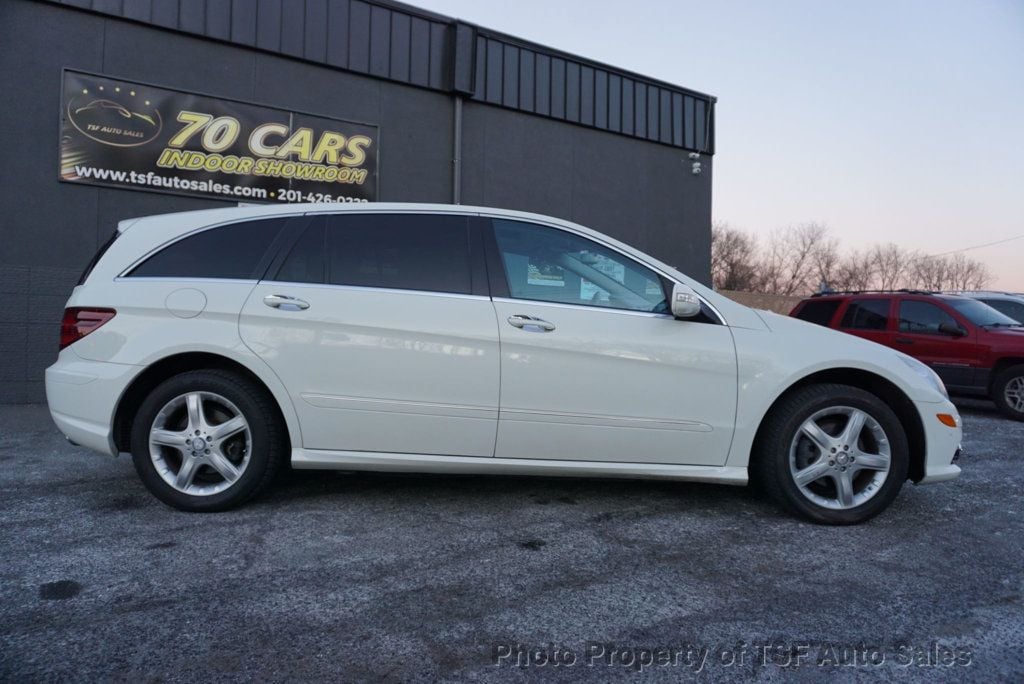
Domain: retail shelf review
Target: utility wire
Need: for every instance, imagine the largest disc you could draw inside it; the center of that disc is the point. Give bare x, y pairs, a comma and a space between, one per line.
987, 244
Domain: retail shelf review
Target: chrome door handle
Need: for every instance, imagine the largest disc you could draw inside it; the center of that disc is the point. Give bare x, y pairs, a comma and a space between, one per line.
530, 323
285, 303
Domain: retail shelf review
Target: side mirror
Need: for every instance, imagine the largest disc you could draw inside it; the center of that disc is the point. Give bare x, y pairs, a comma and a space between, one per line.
952, 329
685, 302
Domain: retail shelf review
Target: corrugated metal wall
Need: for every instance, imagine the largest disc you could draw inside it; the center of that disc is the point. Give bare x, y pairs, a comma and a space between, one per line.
403, 44
521, 77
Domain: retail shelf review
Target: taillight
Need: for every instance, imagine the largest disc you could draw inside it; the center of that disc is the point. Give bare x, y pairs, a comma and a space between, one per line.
80, 321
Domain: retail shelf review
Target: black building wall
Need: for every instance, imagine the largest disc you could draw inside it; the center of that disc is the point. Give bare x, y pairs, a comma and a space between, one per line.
634, 184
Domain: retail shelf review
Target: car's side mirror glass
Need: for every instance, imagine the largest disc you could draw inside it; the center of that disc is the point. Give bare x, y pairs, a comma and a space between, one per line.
952, 329
685, 302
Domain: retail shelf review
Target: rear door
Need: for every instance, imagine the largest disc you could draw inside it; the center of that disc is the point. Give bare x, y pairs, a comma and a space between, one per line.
919, 334
380, 327
870, 318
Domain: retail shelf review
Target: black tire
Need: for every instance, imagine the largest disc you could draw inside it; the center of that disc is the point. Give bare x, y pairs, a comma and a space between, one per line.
1005, 377
267, 439
770, 462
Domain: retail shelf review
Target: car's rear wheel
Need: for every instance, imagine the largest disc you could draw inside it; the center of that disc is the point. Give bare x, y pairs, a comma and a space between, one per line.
1008, 392
207, 440
833, 454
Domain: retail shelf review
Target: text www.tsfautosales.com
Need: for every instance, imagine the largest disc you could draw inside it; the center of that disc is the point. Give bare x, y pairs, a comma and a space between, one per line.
741, 654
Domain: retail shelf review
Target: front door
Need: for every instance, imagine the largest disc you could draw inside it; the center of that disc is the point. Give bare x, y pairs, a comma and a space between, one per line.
372, 323
924, 334
593, 367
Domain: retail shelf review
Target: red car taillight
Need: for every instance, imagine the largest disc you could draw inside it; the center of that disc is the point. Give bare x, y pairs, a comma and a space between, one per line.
80, 321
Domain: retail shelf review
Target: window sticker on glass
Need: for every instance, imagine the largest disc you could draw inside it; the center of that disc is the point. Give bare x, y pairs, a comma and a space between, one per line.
545, 274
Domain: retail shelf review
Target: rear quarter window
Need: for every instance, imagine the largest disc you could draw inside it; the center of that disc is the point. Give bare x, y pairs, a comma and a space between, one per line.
866, 314
818, 311
233, 251
96, 257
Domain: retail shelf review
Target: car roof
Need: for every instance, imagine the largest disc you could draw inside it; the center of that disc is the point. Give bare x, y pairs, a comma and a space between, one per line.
201, 217
981, 294
882, 294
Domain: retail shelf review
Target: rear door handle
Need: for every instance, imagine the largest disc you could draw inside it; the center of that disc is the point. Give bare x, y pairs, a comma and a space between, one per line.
285, 303
530, 323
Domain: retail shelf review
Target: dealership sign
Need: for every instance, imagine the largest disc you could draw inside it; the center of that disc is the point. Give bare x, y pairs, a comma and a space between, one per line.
132, 135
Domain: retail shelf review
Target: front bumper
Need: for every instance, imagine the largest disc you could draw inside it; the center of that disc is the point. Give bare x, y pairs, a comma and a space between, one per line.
942, 443
82, 396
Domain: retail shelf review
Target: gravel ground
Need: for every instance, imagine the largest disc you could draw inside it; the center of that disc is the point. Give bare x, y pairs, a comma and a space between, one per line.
356, 577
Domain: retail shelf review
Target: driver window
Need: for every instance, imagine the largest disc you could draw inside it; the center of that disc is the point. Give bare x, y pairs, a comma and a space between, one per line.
551, 265
923, 318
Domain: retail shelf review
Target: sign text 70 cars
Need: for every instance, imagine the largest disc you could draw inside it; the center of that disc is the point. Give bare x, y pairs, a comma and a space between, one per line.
133, 135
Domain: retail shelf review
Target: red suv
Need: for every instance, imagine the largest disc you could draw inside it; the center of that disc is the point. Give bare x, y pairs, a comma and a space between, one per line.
975, 349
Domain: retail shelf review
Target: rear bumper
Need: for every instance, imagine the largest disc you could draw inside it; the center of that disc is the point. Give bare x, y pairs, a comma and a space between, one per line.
82, 396
942, 443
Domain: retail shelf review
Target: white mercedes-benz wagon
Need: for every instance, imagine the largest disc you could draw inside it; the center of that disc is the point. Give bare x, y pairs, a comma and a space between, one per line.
217, 346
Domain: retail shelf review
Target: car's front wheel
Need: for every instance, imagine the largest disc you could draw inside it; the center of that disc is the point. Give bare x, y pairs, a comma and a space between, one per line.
207, 440
834, 454
1008, 392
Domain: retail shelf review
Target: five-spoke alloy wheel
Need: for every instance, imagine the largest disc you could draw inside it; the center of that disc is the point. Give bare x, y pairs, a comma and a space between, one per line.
200, 443
840, 457
832, 453
207, 440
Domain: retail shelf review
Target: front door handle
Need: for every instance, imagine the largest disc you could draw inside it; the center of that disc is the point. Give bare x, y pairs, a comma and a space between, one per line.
904, 340
285, 303
530, 323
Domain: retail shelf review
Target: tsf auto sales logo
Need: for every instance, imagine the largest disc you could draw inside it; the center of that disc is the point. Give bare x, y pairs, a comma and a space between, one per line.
115, 116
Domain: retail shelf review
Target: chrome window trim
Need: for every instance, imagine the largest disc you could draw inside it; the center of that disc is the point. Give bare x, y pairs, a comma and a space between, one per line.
491, 214
365, 288
581, 307
182, 279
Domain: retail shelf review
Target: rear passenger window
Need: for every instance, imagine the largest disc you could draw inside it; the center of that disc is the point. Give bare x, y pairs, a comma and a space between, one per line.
866, 314
922, 317
819, 312
305, 263
233, 251
395, 251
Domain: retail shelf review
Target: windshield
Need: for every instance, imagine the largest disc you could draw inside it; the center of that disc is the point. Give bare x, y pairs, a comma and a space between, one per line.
980, 313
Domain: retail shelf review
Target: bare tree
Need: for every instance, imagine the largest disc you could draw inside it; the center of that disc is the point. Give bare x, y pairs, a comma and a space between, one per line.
964, 273
827, 262
856, 271
733, 258
792, 264
890, 264
929, 273
798, 259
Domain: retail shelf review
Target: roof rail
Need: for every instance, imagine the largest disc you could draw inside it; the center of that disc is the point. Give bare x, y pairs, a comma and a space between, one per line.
858, 292
995, 292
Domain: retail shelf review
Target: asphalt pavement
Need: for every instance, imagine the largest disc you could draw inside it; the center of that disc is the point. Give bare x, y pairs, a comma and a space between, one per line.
357, 577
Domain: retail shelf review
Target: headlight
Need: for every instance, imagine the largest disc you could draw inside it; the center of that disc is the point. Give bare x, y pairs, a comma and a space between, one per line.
930, 376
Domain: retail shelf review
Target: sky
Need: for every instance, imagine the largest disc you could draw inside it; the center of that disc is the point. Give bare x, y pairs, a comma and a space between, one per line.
891, 121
